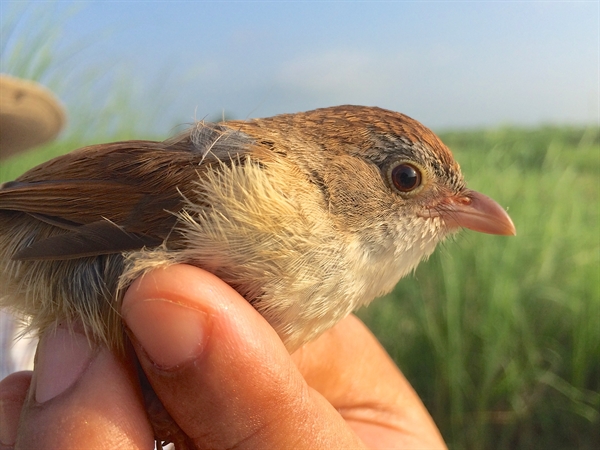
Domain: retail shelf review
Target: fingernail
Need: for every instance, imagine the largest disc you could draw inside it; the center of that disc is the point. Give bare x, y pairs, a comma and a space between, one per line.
170, 333
62, 357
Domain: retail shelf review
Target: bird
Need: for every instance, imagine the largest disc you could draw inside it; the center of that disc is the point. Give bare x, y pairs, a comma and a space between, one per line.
309, 216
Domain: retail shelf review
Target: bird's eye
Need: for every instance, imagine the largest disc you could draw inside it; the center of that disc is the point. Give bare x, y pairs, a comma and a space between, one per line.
405, 177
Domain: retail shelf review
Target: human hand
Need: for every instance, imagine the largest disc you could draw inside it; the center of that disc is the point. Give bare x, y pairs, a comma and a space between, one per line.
222, 374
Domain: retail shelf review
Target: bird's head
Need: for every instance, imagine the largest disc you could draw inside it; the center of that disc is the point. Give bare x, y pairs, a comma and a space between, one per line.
391, 180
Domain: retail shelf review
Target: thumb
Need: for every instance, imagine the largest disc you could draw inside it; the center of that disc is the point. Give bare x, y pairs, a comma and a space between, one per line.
220, 370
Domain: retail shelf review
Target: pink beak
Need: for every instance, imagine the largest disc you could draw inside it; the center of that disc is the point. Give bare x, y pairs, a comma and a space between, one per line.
476, 212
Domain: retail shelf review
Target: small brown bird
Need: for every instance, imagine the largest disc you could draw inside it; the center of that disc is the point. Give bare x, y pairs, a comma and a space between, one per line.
307, 215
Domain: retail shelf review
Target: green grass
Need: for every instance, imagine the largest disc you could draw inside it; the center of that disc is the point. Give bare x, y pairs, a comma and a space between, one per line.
501, 336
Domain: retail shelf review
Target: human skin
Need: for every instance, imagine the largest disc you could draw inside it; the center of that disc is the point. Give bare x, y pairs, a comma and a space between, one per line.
223, 375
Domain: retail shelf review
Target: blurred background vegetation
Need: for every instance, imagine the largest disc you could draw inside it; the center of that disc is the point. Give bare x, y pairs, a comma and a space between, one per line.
499, 336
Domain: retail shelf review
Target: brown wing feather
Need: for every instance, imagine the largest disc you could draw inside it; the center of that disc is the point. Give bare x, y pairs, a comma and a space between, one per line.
87, 240
110, 197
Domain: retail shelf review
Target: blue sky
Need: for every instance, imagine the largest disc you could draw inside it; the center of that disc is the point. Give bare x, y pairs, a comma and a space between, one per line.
448, 64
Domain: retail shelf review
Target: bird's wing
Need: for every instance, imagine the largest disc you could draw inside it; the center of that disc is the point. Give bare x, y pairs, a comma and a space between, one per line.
107, 198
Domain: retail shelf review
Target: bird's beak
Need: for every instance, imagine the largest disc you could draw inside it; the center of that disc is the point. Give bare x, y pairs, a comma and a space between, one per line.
475, 211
